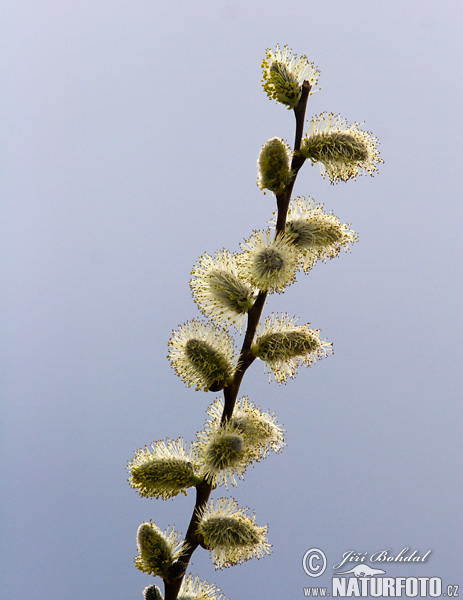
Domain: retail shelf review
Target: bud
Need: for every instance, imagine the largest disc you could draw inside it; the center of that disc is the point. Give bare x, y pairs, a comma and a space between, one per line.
152, 593
283, 346
220, 453
266, 264
230, 535
194, 589
284, 75
342, 151
202, 355
258, 429
163, 471
218, 290
157, 550
274, 165
316, 234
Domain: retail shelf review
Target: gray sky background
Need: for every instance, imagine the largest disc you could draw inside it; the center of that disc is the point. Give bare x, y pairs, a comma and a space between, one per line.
130, 137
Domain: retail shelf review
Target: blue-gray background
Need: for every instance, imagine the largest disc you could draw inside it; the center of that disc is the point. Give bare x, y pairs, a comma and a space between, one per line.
130, 136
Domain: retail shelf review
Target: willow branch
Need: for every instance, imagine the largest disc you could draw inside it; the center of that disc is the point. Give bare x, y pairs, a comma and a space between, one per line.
297, 161
246, 357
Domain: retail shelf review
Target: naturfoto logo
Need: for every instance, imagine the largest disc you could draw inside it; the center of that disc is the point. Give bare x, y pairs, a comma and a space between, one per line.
361, 580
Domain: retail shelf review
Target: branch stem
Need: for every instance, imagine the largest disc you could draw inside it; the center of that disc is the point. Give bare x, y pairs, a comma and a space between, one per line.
246, 357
